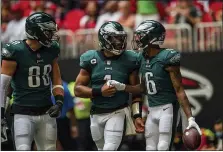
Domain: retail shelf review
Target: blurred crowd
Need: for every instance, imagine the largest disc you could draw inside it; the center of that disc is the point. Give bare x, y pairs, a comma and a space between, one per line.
82, 14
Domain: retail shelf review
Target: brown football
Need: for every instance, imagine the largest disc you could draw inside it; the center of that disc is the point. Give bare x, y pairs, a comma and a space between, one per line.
191, 139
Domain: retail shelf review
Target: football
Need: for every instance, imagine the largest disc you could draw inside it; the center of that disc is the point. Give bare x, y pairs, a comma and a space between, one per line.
191, 139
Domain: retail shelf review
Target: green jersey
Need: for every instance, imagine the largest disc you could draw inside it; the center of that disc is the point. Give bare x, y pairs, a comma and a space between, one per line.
31, 82
159, 86
102, 68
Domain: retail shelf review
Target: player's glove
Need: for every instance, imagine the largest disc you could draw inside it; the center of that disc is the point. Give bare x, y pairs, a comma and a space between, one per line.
119, 86
192, 123
4, 127
55, 110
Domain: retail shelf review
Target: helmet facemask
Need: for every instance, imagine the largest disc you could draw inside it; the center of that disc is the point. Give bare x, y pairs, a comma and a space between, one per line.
115, 43
140, 41
48, 33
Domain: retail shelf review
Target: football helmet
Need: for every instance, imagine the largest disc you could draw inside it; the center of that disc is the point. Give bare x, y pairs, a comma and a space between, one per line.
148, 33
112, 37
41, 27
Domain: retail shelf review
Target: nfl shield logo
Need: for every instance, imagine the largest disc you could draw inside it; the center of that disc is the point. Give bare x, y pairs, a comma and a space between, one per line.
108, 62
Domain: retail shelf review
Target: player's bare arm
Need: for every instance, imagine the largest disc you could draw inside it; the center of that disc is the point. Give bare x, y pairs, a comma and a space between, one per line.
57, 89
82, 90
136, 103
134, 89
176, 79
56, 79
81, 85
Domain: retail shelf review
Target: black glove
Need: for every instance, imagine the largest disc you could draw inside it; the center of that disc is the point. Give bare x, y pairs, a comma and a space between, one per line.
4, 127
55, 110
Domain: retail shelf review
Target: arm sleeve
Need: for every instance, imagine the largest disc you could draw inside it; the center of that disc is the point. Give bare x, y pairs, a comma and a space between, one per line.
8, 53
173, 58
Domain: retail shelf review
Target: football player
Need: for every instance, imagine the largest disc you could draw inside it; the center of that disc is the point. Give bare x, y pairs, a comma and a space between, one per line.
30, 65
161, 79
109, 108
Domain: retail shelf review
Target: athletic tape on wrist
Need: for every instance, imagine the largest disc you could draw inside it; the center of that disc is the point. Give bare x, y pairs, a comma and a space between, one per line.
137, 109
57, 86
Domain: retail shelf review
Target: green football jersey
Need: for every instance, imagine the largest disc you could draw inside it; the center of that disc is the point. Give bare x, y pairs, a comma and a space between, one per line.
102, 68
159, 86
31, 82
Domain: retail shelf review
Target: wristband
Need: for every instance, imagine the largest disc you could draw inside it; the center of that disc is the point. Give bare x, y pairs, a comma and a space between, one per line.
59, 99
96, 92
137, 109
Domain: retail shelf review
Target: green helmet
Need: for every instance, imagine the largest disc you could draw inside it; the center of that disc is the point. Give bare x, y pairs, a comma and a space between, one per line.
149, 32
112, 37
41, 27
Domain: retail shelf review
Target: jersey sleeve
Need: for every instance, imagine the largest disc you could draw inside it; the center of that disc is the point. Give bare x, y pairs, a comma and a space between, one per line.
56, 49
8, 52
172, 58
85, 60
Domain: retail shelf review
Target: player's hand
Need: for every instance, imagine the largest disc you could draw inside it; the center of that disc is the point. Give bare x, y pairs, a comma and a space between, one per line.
107, 90
55, 110
119, 86
139, 124
192, 123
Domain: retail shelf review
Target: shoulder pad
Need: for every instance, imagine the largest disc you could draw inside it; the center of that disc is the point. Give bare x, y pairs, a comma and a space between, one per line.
86, 60
9, 50
88, 55
172, 57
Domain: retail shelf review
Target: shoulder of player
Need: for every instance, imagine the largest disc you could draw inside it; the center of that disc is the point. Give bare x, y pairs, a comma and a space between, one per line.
171, 57
14, 46
88, 55
169, 53
55, 46
11, 50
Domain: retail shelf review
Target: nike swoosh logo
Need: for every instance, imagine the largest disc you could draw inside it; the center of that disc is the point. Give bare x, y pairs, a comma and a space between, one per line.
165, 108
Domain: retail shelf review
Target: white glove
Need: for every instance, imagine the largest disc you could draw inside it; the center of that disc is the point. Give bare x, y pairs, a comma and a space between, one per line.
192, 123
119, 86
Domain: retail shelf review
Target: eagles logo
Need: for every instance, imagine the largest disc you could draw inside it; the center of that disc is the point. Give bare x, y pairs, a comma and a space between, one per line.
195, 86
6, 53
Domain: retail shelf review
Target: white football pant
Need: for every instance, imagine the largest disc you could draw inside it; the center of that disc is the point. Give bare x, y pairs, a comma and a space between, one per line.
42, 129
161, 126
107, 129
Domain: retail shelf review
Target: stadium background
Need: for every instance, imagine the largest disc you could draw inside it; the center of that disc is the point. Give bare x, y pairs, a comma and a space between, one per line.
193, 28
